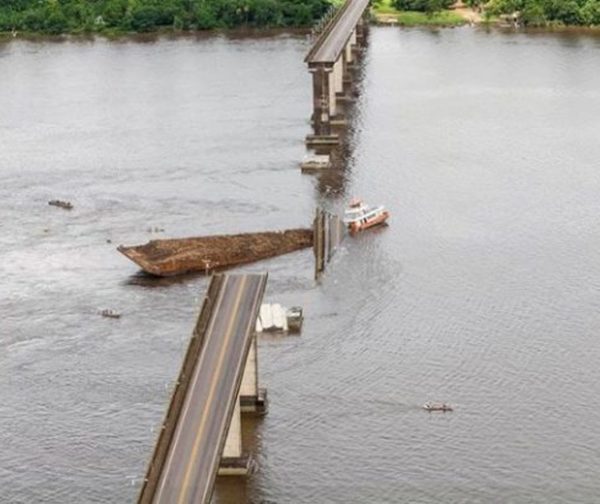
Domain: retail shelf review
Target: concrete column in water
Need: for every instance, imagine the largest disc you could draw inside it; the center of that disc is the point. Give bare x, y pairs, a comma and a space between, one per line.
336, 85
252, 398
347, 58
361, 29
354, 47
348, 53
233, 461
322, 106
338, 70
332, 91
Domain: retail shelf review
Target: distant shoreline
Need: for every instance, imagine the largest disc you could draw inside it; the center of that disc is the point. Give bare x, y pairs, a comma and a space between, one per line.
383, 13
240, 32
380, 16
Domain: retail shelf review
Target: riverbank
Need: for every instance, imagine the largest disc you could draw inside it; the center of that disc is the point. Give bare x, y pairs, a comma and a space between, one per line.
164, 34
34, 20
384, 13
117, 17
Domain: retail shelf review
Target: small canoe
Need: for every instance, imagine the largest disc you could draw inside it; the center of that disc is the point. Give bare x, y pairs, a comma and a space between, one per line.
207, 253
437, 407
110, 314
67, 205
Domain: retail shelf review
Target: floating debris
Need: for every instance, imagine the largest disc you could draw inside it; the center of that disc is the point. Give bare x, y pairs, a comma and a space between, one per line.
315, 163
155, 229
110, 314
67, 205
295, 318
275, 318
428, 406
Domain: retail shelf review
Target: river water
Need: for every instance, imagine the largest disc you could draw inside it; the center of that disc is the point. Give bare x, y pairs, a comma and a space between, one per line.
483, 292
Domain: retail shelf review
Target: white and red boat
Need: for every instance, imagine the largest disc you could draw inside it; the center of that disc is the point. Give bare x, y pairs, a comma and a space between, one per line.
359, 216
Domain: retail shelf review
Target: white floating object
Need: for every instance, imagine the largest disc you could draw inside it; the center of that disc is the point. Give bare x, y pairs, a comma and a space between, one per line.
266, 317
277, 318
315, 163
278, 314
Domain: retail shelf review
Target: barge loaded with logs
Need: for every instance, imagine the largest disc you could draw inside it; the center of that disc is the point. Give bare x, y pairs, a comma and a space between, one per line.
207, 253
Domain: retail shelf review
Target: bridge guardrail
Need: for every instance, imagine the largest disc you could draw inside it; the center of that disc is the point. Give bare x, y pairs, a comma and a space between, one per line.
323, 35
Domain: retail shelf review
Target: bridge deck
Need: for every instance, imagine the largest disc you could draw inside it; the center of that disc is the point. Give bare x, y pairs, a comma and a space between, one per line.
193, 456
331, 42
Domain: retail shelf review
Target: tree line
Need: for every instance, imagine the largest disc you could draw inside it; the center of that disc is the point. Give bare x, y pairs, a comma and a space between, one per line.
545, 12
78, 16
530, 12
422, 5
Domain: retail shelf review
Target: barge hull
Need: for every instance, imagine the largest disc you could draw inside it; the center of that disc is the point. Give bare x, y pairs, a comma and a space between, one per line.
176, 256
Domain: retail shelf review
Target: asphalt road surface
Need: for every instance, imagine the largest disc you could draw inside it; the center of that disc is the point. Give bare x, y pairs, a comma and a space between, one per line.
193, 457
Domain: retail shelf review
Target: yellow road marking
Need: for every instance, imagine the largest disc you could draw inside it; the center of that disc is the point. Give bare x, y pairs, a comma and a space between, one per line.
228, 331
179, 427
252, 321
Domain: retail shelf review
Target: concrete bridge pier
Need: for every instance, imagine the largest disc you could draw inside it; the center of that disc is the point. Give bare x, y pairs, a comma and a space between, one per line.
355, 50
348, 59
338, 117
323, 99
234, 462
331, 61
332, 83
251, 399
362, 28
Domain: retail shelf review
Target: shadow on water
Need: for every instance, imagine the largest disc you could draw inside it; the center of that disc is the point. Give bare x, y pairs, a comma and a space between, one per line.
143, 279
332, 183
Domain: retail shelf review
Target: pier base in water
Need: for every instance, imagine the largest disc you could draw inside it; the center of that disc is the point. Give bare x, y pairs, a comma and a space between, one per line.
258, 404
321, 140
235, 466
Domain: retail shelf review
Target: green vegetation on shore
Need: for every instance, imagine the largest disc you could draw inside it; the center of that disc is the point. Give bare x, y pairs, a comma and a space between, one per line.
429, 6
549, 12
412, 17
526, 12
441, 18
120, 16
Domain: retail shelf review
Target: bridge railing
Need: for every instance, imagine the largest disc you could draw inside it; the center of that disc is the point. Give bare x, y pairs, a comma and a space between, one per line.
327, 29
322, 23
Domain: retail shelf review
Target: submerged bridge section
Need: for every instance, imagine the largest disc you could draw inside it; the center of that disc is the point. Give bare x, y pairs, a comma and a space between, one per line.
328, 235
201, 434
331, 61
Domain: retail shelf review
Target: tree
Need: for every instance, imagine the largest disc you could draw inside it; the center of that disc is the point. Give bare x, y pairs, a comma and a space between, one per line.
533, 14
568, 12
590, 13
422, 5
114, 11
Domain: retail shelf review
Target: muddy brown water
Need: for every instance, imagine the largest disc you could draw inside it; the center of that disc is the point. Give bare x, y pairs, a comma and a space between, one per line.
484, 291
